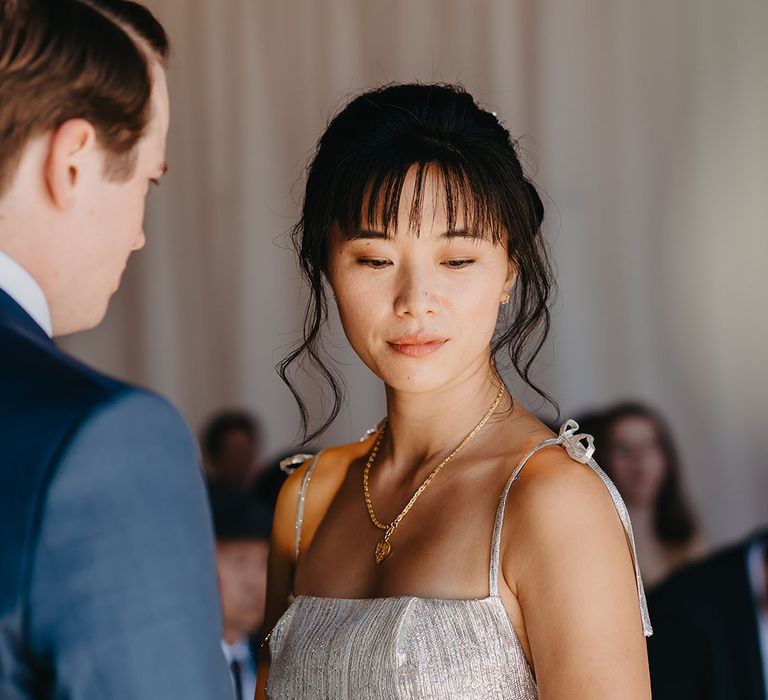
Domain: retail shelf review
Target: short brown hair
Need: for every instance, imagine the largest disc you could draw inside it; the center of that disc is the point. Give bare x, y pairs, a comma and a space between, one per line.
68, 59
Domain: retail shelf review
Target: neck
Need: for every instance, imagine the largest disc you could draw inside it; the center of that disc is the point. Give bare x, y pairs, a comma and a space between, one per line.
424, 426
29, 251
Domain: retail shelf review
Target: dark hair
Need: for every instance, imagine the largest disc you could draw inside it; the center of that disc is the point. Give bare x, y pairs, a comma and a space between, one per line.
357, 176
68, 59
673, 519
220, 424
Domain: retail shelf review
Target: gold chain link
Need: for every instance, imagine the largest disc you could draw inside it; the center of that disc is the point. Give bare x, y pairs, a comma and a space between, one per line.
389, 529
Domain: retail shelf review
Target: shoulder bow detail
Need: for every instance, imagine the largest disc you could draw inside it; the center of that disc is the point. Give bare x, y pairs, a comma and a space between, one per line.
292, 463
572, 442
373, 431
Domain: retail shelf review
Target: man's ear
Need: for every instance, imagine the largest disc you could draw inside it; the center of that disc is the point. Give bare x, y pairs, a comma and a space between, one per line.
72, 149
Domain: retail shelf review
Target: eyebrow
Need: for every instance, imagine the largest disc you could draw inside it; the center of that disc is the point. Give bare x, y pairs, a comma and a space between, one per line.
163, 170
363, 234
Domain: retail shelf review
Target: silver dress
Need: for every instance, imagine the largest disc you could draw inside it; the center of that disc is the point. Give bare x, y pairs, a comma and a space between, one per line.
411, 647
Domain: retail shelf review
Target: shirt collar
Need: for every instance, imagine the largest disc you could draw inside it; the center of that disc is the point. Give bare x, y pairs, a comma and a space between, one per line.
757, 574
239, 651
25, 291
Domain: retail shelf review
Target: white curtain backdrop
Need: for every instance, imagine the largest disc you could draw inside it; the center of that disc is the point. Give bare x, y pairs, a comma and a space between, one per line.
645, 122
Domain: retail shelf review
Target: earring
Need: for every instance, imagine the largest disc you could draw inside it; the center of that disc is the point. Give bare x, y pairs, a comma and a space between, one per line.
505, 299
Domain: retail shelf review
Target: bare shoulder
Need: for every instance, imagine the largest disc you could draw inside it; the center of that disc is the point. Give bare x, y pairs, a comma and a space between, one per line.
328, 472
561, 509
553, 486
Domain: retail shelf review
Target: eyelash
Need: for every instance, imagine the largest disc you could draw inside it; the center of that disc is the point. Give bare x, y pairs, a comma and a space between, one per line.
459, 263
154, 181
380, 264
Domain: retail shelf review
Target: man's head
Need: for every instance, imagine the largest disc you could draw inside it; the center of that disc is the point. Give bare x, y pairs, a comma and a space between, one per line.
242, 528
83, 121
231, 442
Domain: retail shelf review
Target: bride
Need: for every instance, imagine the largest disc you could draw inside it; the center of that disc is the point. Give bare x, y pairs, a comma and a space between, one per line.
461, 550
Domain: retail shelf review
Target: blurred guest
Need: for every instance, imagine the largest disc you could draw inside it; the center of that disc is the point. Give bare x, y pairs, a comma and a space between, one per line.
242, 543
231, 442
636, 449
710, 626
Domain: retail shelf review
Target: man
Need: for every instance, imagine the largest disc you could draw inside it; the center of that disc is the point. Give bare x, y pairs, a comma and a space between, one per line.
242, 543
231, 444
710, 624
107, 579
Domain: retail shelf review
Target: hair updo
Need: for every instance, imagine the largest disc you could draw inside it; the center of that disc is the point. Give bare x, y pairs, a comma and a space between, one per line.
356, 177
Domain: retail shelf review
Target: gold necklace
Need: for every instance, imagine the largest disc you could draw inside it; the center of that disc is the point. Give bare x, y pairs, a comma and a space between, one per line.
383, 547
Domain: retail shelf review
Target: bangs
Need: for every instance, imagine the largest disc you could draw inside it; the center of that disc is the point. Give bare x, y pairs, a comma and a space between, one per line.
370, 195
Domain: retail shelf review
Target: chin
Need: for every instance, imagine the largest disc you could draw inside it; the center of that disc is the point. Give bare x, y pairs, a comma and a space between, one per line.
416, 382
93, 319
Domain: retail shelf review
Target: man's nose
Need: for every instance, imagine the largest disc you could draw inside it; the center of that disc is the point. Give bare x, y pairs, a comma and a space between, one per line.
140, 241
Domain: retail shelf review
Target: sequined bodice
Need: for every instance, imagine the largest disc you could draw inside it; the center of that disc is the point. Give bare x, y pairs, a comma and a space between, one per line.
397, 648
411, 647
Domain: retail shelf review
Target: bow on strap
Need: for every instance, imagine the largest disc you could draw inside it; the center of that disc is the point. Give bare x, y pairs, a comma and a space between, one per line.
373, 431
292, 463
572, 442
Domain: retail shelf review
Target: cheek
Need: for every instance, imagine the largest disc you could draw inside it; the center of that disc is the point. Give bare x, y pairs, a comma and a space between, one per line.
476, 304
362, 304
656, 468
619, 467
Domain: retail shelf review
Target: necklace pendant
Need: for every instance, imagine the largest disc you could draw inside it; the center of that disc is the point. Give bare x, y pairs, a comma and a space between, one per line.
383, 549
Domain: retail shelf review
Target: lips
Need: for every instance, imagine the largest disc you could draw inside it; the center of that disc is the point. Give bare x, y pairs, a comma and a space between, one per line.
417, 345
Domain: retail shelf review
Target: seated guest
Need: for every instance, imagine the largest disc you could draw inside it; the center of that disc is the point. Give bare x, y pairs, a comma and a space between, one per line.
710, 624
231, 442
634, 446
242, 530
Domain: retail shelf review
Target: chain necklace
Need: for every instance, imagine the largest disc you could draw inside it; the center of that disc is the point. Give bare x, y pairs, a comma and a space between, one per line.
383, 547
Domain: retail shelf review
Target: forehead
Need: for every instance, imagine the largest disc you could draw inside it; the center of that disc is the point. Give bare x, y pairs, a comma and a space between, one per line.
629, 427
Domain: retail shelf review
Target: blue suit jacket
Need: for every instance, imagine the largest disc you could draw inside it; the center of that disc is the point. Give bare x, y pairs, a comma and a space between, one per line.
107, 577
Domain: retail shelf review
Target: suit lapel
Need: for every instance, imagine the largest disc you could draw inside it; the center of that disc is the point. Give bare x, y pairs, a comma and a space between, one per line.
738, 598
15, 318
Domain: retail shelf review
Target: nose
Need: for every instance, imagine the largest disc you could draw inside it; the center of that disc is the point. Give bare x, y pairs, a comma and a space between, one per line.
415, 293
140, 241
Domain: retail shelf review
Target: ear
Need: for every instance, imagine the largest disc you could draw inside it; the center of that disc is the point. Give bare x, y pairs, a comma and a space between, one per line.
73, 149
511, 278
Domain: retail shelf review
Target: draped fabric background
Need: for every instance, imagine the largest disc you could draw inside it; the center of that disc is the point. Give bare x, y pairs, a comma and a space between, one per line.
646, 123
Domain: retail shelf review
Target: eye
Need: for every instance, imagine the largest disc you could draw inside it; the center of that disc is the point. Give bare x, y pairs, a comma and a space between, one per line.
154, 181
458, 263
375, 263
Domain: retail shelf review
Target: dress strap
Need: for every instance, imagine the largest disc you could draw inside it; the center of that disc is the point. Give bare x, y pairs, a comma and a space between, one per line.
302, 497
572, 442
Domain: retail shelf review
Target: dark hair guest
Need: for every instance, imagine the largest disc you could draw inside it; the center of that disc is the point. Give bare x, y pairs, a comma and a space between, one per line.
638, 452
461, 549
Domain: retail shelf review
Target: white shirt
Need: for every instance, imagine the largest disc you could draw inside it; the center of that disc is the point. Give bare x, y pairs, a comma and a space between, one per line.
756, 568
241, 652
25, 291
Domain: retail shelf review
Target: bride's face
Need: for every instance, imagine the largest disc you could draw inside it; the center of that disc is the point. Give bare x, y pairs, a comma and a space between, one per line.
420, 307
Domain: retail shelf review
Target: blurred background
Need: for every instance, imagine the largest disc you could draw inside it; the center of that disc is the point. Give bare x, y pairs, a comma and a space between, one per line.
646, 125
